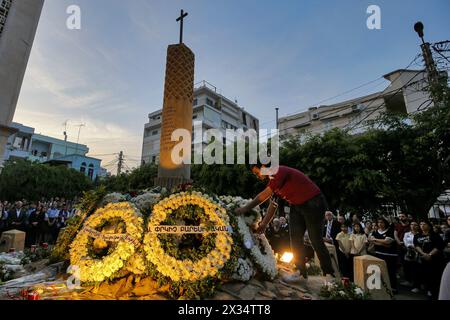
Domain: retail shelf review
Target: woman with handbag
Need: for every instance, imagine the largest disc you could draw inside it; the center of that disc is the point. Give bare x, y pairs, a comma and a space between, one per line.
384, 243
430, 247
410, 267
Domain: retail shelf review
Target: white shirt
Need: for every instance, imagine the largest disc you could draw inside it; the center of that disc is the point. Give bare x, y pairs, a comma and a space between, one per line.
408, 239
358, 244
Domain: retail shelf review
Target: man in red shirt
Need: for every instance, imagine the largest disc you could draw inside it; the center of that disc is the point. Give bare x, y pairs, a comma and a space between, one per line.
308, 206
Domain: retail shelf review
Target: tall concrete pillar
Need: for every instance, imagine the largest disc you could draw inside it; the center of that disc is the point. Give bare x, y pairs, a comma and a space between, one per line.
16, 41
177, 113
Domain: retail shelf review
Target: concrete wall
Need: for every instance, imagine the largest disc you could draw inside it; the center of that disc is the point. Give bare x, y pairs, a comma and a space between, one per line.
15, 47
16, 42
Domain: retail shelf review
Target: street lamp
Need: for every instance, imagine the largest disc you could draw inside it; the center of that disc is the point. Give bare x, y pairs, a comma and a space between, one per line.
418, 27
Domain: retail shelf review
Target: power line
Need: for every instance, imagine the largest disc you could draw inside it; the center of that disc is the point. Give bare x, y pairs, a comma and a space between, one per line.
331, 98
103, 155
363, 85
418, 109
339, 109
385, 101
336, 96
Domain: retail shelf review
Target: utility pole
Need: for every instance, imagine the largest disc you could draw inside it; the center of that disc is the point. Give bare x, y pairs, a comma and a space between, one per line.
65, 135
78, 139
433, 75
120, 163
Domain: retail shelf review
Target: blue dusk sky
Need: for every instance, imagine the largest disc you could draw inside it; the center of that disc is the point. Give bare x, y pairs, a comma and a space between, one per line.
289, 54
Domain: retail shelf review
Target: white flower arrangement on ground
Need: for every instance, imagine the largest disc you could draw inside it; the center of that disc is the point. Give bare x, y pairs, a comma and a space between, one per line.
188, 270
244, 270
99, 270
114, 197
343, 291
146, 200
252, 219
260, 249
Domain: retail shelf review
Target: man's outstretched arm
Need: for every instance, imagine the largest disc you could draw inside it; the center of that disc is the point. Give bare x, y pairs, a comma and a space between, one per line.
267, 218
260, 198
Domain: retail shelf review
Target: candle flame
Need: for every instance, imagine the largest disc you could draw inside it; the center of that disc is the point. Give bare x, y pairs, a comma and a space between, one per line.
287, 257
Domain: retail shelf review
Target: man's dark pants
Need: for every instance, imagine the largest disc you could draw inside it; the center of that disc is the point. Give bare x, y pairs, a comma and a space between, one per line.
309, 216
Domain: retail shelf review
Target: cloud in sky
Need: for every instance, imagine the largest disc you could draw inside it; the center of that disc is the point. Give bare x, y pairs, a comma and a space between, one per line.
289, 54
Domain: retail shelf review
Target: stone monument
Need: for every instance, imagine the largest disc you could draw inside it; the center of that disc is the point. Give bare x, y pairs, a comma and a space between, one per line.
372, 276
18, 25
12, 239
177, 110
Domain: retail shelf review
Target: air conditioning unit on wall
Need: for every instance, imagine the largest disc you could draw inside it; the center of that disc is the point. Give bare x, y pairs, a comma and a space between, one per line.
358, 107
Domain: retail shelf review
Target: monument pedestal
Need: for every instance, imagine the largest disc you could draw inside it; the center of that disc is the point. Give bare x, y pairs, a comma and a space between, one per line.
171, 182
12, 239
371, 274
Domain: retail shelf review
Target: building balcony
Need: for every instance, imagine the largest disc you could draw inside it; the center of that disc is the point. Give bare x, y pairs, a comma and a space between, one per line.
153, 123
17, 153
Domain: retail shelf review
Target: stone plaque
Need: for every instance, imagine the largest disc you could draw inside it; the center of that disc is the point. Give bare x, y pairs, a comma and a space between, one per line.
370, 273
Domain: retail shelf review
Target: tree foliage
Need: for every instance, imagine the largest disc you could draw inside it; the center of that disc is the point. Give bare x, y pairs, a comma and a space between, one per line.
138, 179
21, 179
402, 160
233, 180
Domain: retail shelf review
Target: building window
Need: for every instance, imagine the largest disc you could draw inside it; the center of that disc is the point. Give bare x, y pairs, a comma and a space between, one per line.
195, 102
255, 125
209, 102
83, 167
244, 119
5, 5
194, 117
91, 171
154, 133
154, 159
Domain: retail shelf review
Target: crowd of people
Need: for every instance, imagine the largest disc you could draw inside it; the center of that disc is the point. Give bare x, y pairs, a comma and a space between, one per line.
41, 220
418, 251
414, 251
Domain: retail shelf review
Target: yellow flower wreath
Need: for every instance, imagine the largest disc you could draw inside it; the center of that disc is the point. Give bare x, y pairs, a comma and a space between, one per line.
188, 270
98, 270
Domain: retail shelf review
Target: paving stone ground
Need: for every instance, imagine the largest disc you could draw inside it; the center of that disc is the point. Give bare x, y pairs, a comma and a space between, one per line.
255, 289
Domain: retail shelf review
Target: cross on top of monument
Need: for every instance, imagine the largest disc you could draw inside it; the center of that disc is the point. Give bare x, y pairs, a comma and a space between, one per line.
181, 19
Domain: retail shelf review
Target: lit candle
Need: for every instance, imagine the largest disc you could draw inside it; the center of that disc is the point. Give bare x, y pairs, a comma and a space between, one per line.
287, 257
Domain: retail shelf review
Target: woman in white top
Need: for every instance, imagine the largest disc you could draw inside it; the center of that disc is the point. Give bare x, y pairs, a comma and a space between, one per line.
343, 239
358, 240
410, 264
